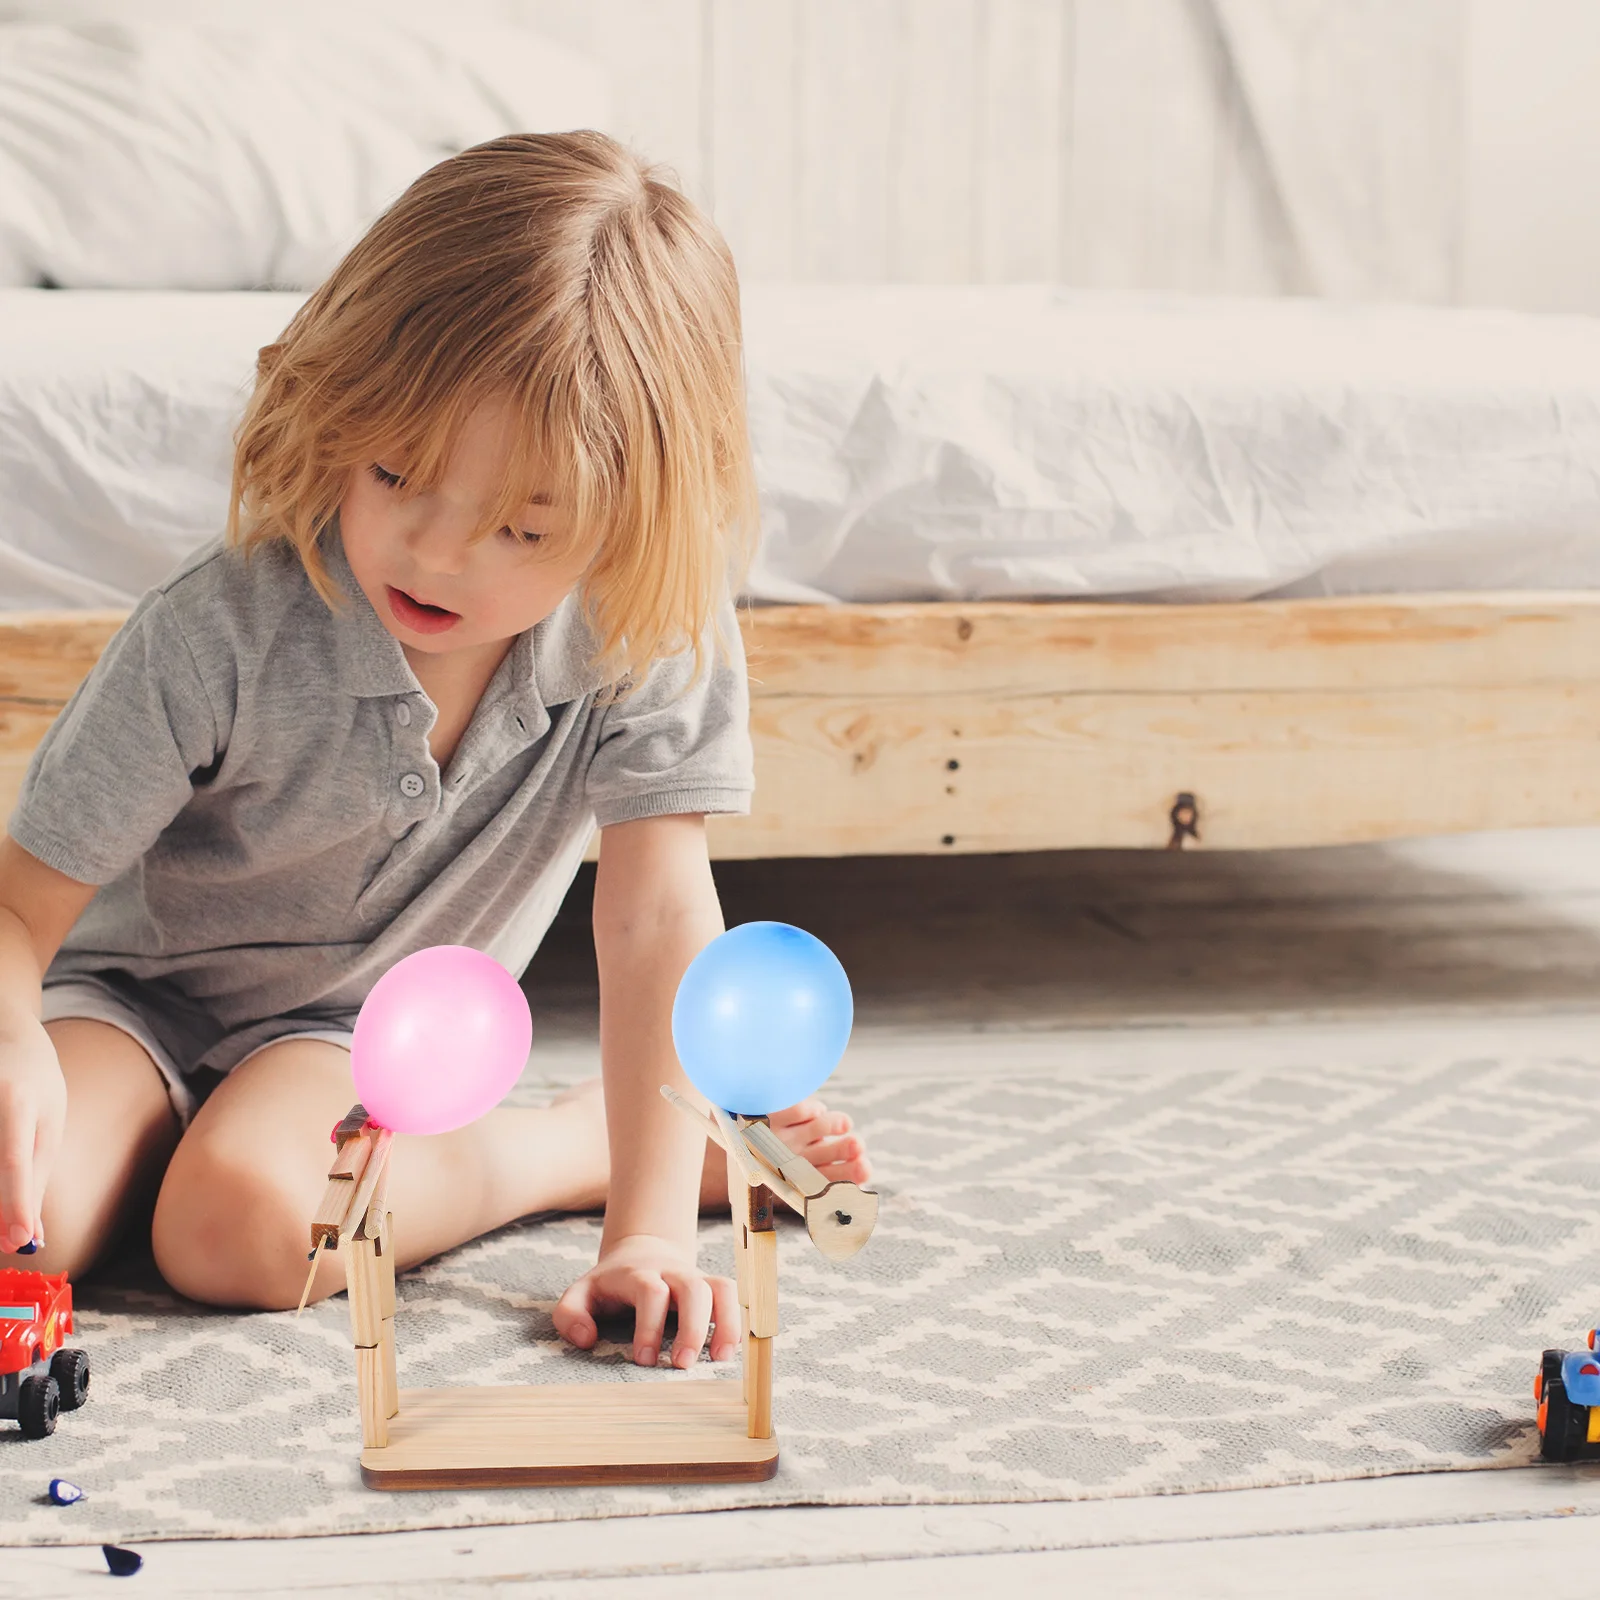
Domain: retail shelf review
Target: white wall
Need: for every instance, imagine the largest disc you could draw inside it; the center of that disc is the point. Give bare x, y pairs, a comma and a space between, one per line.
1371, 149
1243, 146
1531, 231
1366, 149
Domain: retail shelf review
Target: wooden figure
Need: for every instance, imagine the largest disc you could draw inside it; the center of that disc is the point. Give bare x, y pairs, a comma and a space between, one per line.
675, 1430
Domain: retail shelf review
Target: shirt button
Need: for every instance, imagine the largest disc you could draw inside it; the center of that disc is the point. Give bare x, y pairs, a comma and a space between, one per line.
412, 785
402, 714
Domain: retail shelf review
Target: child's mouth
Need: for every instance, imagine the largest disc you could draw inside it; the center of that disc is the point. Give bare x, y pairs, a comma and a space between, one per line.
418, 615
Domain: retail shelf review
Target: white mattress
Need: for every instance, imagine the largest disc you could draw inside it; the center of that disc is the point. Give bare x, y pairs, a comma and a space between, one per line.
932, 443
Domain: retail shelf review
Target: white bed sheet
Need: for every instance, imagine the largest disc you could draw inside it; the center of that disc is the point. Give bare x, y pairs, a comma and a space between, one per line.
918, 443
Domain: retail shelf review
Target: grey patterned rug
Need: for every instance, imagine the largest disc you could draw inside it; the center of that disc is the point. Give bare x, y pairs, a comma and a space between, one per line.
1085, 1282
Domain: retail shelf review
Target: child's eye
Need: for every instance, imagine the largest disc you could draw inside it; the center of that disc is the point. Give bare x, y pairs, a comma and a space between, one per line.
390, 480
521, 535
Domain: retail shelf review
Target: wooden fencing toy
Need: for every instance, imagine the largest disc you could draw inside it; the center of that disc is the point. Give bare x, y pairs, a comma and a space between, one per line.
674, 1429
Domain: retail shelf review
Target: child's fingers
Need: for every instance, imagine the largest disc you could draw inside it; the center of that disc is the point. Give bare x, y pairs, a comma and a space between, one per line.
651, 1301
574, 1315
19, 1204
728, 1317
693, 1295
44, 1152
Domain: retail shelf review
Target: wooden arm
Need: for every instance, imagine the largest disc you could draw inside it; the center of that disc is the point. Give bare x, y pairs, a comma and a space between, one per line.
839, 1216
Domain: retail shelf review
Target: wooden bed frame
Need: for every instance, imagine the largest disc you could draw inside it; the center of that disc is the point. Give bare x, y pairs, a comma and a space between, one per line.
938, 728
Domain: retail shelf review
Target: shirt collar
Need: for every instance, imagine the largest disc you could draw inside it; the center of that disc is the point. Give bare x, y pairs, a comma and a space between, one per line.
549, 664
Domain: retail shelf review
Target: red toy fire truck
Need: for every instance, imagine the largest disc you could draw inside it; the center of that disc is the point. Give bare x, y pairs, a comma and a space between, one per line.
38, 1378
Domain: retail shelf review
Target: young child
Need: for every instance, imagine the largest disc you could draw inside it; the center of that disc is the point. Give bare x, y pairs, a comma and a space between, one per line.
496, 489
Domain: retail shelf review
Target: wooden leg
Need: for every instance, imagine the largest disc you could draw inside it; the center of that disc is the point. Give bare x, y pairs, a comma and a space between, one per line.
760, 1289
391, 1380
364, 1278
369, 1383
739, 1210
758, 1382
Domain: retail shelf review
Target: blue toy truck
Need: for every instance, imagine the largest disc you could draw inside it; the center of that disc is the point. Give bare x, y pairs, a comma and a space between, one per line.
1568, 1392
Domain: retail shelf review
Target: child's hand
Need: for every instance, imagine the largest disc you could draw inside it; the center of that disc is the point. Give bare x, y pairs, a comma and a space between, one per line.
649, 1274
33, 1110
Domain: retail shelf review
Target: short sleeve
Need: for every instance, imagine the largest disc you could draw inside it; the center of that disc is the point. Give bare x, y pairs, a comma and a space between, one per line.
117, 765
677, 744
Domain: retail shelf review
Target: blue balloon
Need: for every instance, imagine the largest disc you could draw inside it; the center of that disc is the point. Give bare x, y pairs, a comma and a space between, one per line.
762, 1017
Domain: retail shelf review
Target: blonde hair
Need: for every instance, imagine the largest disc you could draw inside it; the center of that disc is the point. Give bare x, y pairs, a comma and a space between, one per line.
561, 273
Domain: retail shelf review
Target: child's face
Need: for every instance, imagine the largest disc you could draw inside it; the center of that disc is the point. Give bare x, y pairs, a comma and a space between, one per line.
435, 588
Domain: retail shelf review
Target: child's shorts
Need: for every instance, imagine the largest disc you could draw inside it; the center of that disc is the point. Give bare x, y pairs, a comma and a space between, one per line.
175, 1043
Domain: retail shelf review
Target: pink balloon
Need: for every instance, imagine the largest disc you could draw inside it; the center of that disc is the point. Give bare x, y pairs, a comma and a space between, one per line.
443, 1035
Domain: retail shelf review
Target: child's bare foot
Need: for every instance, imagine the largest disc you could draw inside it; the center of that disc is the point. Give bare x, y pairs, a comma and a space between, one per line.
811, 1130
825, 1138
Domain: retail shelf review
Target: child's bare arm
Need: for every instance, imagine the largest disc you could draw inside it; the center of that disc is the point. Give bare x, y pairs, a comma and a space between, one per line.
38, 905
655, 910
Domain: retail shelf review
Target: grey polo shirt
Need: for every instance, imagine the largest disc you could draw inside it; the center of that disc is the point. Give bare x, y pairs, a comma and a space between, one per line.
246, 775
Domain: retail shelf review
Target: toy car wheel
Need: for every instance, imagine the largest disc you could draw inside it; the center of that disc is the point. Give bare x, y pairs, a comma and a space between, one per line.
70, 1369
38, 1403
1566, 1426
1550, 1364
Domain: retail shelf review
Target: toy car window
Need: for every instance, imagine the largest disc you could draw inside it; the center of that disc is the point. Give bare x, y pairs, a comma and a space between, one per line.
18, 1313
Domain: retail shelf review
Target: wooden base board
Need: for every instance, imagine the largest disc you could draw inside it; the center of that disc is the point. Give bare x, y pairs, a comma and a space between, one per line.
685, 1431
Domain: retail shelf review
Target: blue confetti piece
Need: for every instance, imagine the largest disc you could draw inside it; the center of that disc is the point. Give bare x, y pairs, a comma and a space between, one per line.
123, 1563
31, 1248
63, 1493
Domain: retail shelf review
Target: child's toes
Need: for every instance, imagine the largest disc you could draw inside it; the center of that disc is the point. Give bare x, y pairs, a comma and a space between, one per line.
840, 1160
857, 1170
802, 1111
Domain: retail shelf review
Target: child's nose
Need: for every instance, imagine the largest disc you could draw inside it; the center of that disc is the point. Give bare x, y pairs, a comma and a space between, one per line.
436, 544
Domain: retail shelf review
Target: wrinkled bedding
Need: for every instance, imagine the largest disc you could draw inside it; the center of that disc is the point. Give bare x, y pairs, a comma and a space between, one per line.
932, 443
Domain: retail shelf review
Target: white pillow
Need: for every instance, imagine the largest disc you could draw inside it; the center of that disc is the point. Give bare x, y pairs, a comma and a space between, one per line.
199, 156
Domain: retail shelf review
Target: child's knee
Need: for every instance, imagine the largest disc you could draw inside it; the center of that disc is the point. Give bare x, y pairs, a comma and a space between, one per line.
226, 1232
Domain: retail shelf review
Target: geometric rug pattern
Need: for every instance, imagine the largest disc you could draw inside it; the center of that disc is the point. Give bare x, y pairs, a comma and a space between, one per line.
1082, 1284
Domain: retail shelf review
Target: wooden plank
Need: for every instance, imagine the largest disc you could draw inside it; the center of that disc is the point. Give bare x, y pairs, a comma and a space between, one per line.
761, 1309
1269, 770
763, 1267
830, 1544
1012, 648
374, 1173
1077, 725
370, 1390
389, 1380
386, 1295
670, 1431
1486, 1561
363, 1276
1017, 647
332, 1221
788, 1164
841, 1218
44, 655
758, 1384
